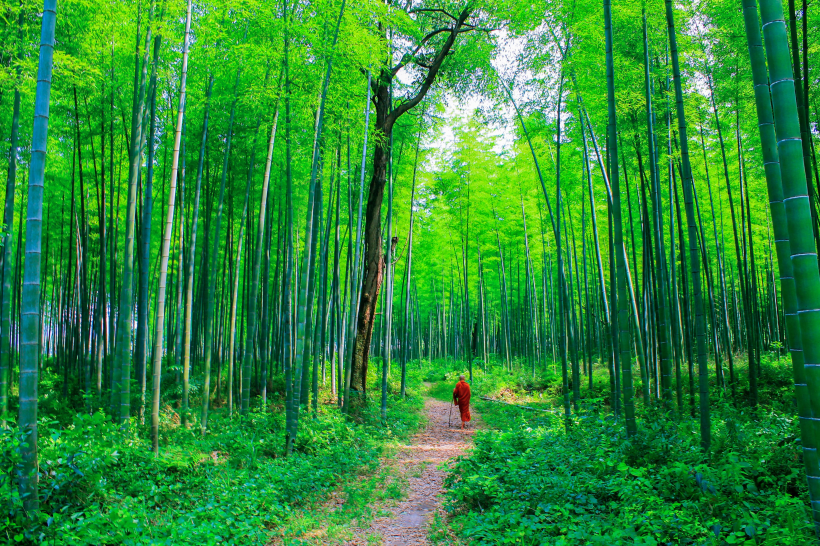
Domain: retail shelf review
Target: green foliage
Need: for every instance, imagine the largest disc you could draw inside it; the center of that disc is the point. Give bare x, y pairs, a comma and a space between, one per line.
101, 485
529, 481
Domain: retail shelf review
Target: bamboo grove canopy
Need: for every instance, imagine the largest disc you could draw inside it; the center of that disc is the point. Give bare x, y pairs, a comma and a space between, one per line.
208, 201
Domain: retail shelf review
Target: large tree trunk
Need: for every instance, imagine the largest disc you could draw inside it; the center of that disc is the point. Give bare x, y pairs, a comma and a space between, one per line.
373, 255
356, 374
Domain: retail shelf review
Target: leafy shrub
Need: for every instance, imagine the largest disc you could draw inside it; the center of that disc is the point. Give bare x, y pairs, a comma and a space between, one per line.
102, 485
534, 481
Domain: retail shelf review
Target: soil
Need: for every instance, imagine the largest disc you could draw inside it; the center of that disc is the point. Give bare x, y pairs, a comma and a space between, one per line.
423, 463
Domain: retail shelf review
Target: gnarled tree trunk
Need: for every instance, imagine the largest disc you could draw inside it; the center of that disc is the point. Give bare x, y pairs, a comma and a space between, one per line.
356, 374
373, 255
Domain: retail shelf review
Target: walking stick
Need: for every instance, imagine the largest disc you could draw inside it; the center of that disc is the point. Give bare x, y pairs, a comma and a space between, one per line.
449, 415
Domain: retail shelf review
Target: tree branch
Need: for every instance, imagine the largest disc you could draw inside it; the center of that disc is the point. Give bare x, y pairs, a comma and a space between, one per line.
432, 72
471, 28
434, 10
408, 56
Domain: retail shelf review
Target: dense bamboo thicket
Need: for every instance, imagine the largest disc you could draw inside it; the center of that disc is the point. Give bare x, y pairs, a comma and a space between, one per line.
281, 210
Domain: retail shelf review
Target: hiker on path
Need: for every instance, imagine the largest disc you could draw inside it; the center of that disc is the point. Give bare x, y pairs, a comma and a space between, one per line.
461, 398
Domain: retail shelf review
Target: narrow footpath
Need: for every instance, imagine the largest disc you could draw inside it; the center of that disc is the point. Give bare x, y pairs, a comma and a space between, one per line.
439, 442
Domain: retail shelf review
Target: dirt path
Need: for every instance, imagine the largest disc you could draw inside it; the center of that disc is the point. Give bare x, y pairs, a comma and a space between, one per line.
419, 462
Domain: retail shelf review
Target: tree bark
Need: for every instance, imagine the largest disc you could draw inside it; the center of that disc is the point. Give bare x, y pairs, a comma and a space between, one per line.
373, 256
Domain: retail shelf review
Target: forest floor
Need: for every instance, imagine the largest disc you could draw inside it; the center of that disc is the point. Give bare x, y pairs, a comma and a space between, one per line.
423, 463
399, 502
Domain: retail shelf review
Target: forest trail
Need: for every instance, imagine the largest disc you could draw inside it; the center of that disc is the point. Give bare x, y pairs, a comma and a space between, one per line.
438, 442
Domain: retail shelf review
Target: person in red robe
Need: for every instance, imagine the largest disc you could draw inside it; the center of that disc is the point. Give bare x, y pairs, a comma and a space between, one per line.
461, 398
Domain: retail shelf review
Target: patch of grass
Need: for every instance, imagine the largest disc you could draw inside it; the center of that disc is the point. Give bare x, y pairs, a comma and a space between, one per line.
396, 489
333, 521
443, 390
439, 532
419, 469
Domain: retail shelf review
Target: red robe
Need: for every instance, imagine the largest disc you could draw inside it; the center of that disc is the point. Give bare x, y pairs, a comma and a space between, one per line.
461, 396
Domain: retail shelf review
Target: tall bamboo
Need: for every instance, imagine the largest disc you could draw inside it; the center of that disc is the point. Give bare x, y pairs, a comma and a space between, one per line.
694, 252
8, 221
166, 241
797, 216
189, 277
624, 338
257, 260
122, 383
214, 255
664, 332
30, 302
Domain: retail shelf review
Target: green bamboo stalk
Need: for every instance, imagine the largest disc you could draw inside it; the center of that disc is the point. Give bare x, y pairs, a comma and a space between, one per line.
304, 308
177, 314
664, 331
620, 258
257, 260
30, 302
563, 312
213, 257
287, 326
798, 222
389, 272
122, 383
571, 312
166, 241
739, 249
587, 303
246, 371
700, 327
189, 277
408, 273
599, 261
234, 301
724, 308
143, 296
802, 114
505, 309
8, 221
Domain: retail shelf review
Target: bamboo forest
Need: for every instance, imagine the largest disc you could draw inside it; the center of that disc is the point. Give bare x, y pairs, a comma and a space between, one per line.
256, 256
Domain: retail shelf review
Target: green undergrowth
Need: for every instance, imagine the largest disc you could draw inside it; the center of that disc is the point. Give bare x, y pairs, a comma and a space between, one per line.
100, 485
533, 480
353, 503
